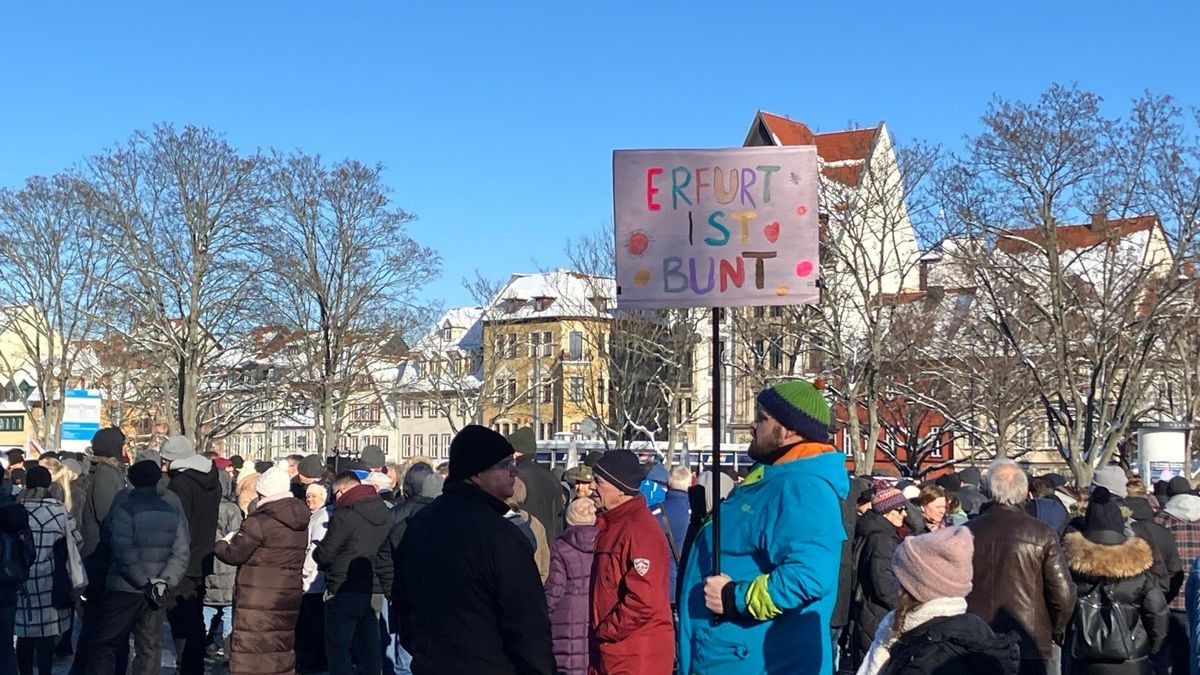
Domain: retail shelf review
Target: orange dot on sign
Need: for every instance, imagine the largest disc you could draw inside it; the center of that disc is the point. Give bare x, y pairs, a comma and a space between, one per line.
638, 243
782, 290
804, 268
641, 277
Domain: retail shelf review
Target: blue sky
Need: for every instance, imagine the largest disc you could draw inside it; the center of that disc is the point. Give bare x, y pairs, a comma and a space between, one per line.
496, 120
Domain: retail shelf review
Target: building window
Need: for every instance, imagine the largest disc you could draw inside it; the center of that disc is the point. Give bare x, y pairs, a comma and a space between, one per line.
366, 414
1025, 438
576, 391
418, 444
776, 354
547, 343
406, 409
510, 390
446, 443
419, 409
935, 436
510, 351
535, 343
447, 334
547, 391
760, 312
433, 445
12, 423
575, 346
406, 445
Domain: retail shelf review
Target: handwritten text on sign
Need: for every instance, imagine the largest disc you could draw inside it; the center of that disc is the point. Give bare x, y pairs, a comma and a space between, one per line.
716, 228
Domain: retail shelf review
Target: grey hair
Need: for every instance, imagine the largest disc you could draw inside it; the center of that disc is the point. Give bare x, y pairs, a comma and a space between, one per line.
316, 489
680, 477
1008, 483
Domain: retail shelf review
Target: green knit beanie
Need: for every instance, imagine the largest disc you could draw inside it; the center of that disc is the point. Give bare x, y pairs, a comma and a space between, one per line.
799, 406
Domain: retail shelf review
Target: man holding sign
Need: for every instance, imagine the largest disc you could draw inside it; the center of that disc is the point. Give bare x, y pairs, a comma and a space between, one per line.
781, 546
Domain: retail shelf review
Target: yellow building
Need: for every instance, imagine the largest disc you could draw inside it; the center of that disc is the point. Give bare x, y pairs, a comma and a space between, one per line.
19, 395
544, 340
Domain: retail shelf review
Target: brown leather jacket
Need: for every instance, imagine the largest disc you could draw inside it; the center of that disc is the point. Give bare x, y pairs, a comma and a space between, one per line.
1021, 581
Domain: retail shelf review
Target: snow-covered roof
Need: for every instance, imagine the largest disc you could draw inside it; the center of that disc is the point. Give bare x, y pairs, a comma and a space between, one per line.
551, 295
466, 331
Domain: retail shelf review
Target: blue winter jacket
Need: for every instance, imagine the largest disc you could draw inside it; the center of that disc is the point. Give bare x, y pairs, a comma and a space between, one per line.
781, 543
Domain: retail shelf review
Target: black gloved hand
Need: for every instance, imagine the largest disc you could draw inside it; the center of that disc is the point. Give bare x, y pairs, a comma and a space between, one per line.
156, 592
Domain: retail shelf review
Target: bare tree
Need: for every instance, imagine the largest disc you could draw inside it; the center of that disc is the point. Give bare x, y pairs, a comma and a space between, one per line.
344, 276
182, 211
648, 358
1082, 307
53, 271
869, 256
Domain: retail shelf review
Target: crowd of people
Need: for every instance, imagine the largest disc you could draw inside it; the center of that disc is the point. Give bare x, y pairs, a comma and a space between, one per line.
494, 563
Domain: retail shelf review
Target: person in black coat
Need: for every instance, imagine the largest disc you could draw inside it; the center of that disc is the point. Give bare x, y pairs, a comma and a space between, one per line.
1109, 567
543, 493
876, 590
468, 595
1168, 567
196, 480
356, 558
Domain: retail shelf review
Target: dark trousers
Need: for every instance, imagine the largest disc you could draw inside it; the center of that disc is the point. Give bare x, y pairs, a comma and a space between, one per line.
310, 633
1034, 667
1175, 656
187, 627
122, 614
352, 628
39, 650
8, 619
93, 608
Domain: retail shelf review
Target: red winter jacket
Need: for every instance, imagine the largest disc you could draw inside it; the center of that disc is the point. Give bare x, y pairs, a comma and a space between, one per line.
631, 607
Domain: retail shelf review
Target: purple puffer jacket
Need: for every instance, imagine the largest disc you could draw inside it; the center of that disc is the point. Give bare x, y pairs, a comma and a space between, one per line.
568, 595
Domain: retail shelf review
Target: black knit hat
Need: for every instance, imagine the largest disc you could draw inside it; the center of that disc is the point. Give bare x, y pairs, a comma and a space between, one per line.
311, 467
476, 449
622, 469
262, 466
37, 477
108, 443
1178, 486
237, 461
1103, 517
950, 482
15, 456
145, 473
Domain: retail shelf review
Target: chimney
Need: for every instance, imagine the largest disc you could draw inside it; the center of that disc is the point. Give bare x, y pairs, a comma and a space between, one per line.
1099, 223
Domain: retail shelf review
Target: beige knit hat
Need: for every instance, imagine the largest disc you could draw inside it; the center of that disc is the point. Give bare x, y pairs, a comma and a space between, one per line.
581, 512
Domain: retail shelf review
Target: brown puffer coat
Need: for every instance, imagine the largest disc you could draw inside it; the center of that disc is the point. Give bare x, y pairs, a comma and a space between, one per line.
268, 551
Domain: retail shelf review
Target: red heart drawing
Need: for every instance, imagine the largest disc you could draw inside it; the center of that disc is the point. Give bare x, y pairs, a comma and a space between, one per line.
801, 210
772, 231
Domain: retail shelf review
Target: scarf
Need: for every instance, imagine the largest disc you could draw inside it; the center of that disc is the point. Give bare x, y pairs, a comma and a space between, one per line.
880, 652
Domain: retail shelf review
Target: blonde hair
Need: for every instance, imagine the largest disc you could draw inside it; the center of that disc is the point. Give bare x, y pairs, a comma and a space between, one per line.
519, 494
62, 476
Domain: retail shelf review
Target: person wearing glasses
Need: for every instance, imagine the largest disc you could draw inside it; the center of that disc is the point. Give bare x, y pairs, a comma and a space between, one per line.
877, 591
467, 593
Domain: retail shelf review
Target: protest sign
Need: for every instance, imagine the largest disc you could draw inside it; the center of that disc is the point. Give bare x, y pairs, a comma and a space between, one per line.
716, 228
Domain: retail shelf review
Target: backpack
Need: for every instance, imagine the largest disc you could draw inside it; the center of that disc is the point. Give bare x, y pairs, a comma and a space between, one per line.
941, 647
1106, 629
17, 550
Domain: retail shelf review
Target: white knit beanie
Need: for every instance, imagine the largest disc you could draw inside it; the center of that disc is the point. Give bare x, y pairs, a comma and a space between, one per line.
275, 481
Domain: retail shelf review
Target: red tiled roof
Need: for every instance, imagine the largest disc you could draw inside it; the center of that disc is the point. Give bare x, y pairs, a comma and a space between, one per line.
1074, 237
836, 146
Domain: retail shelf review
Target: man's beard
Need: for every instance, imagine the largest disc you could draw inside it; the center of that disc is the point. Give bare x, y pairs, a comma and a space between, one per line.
765, 450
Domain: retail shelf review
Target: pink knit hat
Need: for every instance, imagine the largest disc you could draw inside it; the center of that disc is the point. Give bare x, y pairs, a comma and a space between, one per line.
886, 498
936, 565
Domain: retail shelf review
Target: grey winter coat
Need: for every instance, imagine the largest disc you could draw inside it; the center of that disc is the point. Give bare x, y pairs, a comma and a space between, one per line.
107, 478
149, 540
218, 586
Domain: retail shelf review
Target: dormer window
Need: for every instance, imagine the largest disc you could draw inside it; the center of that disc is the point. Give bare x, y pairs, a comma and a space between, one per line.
542, 303
511, 305
600, 303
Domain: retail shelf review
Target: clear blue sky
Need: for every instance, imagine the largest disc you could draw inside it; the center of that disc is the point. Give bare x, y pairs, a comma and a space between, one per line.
496, 120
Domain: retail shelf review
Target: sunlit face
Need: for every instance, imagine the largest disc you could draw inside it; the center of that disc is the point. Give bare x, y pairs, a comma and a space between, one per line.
499, 479
935, 511
314, 500
766, 435
606, 495
583, 490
